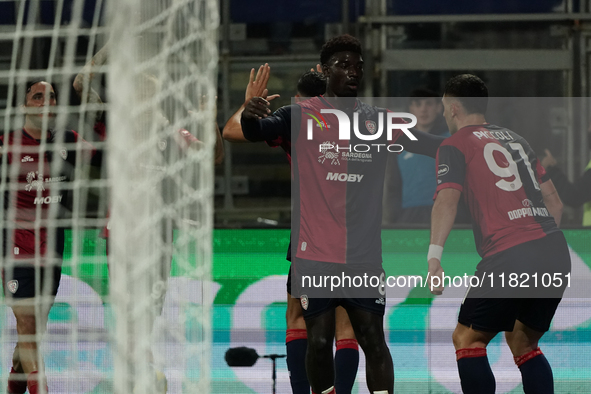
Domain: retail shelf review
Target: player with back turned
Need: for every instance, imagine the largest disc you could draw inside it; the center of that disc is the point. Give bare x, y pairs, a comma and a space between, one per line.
515, 212
323, 203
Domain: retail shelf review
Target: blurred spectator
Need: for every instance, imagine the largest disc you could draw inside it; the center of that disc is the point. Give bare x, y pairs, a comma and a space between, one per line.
575, 193
417, 172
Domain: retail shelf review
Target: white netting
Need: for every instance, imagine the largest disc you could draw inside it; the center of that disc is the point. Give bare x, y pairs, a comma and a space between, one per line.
158, 78
161, 81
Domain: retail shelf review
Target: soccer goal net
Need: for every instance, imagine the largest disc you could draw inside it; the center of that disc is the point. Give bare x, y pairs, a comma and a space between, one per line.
137, 81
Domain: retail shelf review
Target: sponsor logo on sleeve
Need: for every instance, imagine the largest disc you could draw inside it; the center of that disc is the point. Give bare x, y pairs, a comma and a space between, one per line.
442, 169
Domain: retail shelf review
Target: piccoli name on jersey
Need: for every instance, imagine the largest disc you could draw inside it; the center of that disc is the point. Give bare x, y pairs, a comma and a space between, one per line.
502, 135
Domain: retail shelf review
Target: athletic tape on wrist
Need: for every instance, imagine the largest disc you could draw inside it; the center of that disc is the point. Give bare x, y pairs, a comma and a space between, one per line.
329, 390
435, 252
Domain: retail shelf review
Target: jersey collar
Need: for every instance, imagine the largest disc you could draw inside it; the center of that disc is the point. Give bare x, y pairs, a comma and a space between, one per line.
322, 99
49, 139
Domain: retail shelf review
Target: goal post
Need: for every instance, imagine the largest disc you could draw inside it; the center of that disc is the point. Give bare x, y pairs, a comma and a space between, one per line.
156, 180
161, 84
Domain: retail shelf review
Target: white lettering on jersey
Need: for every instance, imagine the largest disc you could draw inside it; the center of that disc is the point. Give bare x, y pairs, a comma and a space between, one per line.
493, 135
55, 179
523, 212
343, 177
48, 200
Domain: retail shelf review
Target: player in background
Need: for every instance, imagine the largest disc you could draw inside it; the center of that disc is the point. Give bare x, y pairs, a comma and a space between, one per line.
342, 65
575, 193
411, 180
346, 359
515, 212
33, 251
175, 147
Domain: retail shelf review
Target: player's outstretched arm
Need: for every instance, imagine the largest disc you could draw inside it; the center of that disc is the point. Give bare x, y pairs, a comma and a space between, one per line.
574, 193
443, 216
187, 140
257, 87
82, 82
552, 200
258, 124
219, 146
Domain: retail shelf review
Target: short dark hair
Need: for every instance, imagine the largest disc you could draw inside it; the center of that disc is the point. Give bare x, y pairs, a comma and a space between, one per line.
342, 43
420, 93
311, 84
28, 89
470, 91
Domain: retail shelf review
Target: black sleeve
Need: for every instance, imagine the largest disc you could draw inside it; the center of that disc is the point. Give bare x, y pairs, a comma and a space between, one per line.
270, 128
426, 144
97, 158
451, 168
575, 193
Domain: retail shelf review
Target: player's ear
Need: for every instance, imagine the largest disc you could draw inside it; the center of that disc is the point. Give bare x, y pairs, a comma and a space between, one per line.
325, 70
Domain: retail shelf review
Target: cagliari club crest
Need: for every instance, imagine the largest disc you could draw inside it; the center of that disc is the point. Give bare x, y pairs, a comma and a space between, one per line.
305, 302
12, 286
370, 125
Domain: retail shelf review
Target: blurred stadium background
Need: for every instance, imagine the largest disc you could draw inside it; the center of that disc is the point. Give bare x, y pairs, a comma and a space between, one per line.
520, 48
